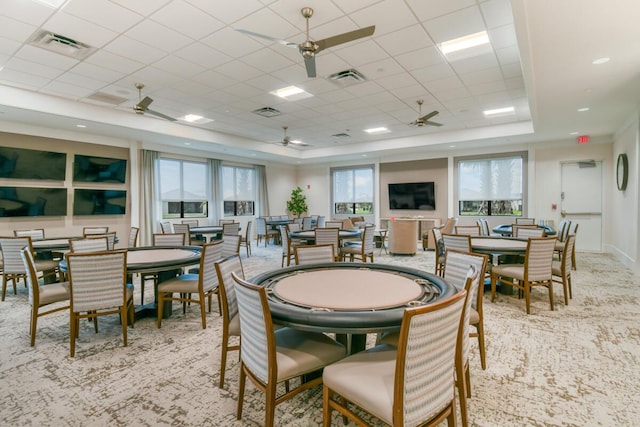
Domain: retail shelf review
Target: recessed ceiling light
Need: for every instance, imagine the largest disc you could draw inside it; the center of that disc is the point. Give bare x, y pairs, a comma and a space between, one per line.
377, 130
291, 93
187, 143
573, 133
599, 61
496, 111
194, 118
81, 126
583, 109
465, 42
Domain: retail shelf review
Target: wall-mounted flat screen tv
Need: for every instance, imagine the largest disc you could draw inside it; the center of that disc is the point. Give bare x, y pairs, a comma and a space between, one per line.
99, 202
412, 196
20, 163
29, 201
98, 169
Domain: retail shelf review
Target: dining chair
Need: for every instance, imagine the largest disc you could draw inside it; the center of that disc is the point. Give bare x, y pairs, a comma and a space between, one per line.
166, 227
331, 236
194, 239
287, 252
321, 221
89, 244
98, 287
132, 241
333, 224
228, 308
307, 223
313, 254
470, 230
246, 239
189, 286
35, 233
226, 221
13, 268
561, 270
110, 236
191, 222
361, 250
536, 271
94, 230
264, 232
410, 386
461, 242
525, 221
439, 250
56, 294
184, 229
230, 229
169, 239
456, 269
271, 357
527, 231
231, 245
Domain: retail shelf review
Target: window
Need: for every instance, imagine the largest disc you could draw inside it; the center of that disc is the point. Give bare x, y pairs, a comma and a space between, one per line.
353, 190
183, 189
491, 187
238, 190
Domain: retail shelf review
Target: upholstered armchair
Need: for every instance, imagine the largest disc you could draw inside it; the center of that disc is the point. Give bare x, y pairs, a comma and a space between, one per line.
403, 237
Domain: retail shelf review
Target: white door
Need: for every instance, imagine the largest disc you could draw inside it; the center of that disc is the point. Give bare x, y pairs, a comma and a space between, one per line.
582, 202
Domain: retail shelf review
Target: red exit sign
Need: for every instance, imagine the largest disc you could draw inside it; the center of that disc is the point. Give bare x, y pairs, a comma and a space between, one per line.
583, 139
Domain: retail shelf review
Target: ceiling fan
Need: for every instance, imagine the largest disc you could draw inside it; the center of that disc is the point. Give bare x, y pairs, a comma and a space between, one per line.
424, 120
309, 48
143, 105
286, 140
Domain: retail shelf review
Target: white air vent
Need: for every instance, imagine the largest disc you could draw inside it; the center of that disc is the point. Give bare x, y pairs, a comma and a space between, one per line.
347, 77
60, 44
267, 112
107, 98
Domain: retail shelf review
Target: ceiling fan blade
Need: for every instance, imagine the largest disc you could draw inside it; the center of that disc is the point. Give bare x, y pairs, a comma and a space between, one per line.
310, 64
428, 116
427, 122
344, 38
142, 105
163, 116
262, 36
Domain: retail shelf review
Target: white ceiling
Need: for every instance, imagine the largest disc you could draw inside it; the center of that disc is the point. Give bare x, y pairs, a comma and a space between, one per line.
191, 60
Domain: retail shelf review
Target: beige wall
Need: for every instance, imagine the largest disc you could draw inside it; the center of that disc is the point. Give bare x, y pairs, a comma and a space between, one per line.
68, 225
415, 171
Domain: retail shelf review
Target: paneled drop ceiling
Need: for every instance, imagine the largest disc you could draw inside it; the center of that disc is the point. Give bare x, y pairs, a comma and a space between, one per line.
78, 64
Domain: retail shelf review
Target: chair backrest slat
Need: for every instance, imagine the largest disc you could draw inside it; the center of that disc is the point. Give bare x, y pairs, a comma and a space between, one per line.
231, 245
169, 239
228, 300
470, 230
89, 244
328, 235
97, 280
11, 258
461, 242
230, 229
94, 230
36, 233
539, 258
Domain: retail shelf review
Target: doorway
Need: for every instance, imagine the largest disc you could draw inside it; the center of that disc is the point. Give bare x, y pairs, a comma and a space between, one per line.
581, 201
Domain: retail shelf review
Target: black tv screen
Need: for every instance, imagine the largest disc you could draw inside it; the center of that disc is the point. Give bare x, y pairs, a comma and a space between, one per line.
412, 196
99, 169
99, 202
30, 201
20, 163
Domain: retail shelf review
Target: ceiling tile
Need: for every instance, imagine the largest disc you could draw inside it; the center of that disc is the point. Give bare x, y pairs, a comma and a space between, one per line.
103, 13
199, 53
43, 56
232, 43
28, 12
114, 62
457, 24
186, 19
18, 64
420, 58
80, 30
396, 16
158, 36
496, 13
144, 8
426, 10
15, 30
8, 47
405, 40
134, 50
227, 11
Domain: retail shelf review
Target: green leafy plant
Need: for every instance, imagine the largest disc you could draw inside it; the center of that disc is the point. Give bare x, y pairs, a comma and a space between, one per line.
297, 204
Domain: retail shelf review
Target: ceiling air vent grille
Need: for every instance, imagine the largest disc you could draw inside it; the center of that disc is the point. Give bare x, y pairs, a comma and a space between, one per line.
347, 77
60, 44
267, 112
341, 135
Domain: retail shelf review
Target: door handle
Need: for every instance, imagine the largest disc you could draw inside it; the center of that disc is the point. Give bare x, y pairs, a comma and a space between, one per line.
563, 213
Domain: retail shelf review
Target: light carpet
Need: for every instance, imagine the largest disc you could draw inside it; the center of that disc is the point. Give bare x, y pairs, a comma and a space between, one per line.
574, 366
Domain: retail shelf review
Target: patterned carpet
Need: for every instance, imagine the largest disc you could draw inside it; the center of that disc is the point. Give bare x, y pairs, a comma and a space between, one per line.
574, 366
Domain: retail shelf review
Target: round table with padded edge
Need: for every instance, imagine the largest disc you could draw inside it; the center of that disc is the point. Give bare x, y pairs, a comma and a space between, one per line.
505, 230
346, 298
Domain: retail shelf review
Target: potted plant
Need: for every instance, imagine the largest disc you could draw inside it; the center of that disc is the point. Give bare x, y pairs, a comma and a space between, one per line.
297, 204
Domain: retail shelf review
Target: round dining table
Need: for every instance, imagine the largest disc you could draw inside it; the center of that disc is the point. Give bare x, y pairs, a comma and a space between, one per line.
347, 298
506, 230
